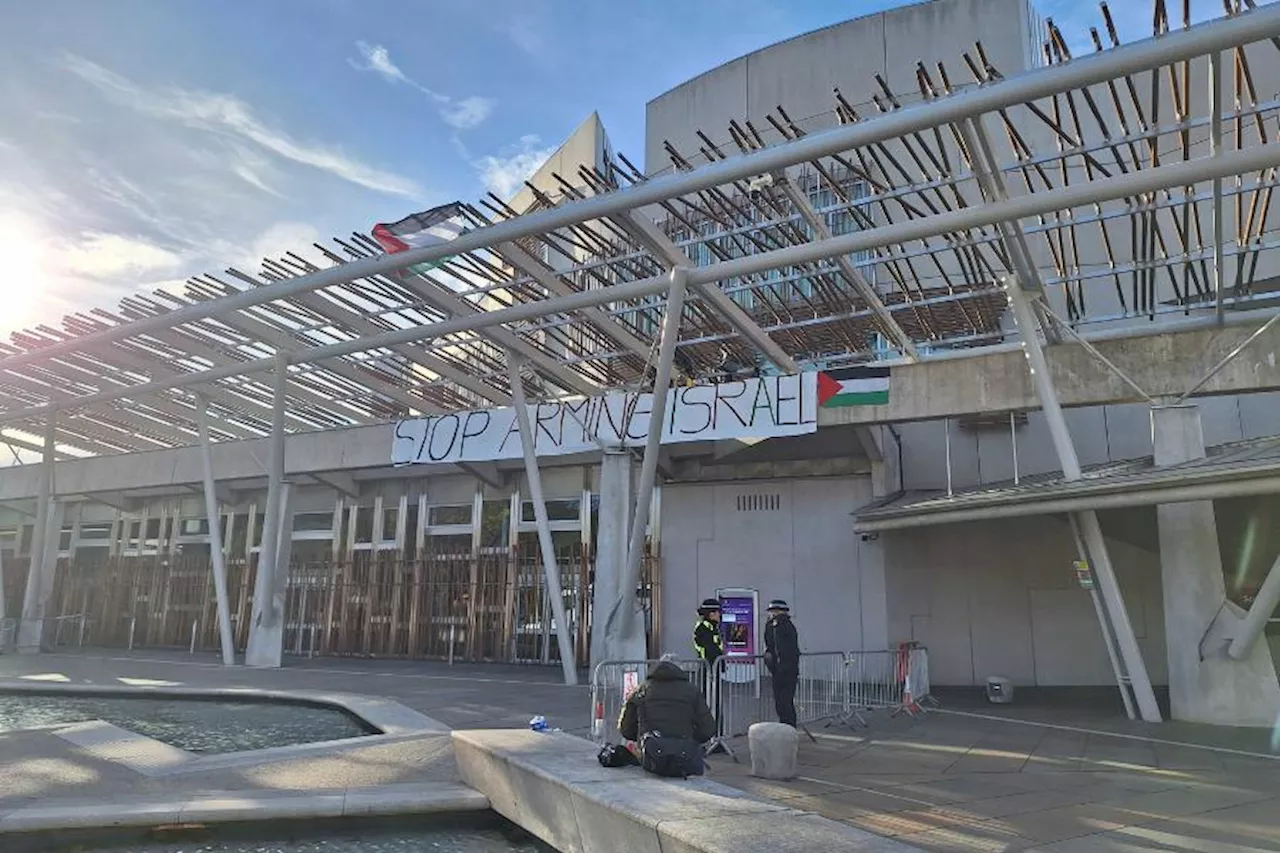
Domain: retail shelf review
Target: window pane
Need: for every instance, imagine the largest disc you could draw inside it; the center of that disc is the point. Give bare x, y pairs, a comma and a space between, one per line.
95, 531
364, 524
313, 521
192, 527
495, 524
390, 518
64, 539
455, 514
562, 510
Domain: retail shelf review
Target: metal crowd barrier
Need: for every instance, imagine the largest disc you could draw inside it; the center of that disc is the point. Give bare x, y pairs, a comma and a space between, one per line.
833, 688
613, 681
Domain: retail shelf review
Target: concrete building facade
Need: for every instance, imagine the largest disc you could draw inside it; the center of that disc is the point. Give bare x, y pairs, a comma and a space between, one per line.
987, 597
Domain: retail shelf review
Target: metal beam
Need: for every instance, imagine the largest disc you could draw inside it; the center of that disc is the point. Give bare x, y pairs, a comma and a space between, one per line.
1260, 613
859, 282
216, 556
623, 623
550, 566
554, 285
262, 650
1081, 72
1146, 180
648, 233
1090, 528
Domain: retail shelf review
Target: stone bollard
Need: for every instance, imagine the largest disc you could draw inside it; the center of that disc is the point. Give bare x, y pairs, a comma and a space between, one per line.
773, 750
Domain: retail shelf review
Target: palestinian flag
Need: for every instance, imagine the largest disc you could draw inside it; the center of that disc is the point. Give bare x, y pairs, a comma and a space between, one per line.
419, 230
853, 386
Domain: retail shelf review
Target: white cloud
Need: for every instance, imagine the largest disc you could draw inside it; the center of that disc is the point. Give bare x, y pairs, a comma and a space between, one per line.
228, 115
282, 238
462, 114
467, 113
503, 175
101, 256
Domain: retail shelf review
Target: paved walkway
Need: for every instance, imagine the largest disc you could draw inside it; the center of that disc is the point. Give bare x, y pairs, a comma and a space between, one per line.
983, 784
1046, 780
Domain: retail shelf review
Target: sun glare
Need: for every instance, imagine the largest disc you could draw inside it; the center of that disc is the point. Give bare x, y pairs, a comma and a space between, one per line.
26, 276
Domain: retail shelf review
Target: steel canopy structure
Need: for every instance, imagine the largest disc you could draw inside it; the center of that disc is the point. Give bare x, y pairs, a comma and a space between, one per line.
875, 238
1092, 190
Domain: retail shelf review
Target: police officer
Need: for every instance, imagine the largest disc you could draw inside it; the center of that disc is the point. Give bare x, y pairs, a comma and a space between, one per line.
782, 657
706, 633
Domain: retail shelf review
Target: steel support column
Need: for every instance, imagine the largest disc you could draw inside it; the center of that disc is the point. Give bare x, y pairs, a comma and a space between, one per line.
216, 556
625, 620
265, 639
1104, 625
1090, 529
533, 475
1255, 621
1215, 148
31, 628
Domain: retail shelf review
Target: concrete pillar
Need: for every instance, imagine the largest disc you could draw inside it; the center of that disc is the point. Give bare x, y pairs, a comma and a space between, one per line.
1205, 685
40, 578
266, 644
616, 505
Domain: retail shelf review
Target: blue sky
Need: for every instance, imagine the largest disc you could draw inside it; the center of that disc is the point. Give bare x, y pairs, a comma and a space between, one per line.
143, 141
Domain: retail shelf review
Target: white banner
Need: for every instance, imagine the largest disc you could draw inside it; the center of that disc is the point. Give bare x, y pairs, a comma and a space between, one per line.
767, 407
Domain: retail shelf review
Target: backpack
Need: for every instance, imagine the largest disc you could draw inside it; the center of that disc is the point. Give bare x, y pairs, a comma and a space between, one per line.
667, 756
613, 755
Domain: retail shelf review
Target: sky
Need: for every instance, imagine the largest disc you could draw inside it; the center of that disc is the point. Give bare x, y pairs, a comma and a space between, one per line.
145, 141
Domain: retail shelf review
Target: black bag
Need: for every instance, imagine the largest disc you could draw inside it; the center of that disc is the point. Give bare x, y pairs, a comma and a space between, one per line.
612, 755
672, 757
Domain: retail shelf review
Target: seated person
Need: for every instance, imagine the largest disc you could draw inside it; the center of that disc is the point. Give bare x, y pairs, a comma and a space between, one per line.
669, 705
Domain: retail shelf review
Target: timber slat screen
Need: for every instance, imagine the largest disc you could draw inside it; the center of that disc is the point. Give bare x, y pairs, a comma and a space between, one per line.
492, 607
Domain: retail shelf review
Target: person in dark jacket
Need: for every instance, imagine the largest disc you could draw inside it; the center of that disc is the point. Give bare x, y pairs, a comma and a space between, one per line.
707, 641
782, 657
668, 703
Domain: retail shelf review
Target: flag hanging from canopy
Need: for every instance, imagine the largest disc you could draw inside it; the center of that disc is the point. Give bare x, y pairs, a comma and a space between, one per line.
418, 230
853, 386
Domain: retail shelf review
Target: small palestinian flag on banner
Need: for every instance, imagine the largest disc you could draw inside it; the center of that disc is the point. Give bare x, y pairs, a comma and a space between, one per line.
418, 230
853, 386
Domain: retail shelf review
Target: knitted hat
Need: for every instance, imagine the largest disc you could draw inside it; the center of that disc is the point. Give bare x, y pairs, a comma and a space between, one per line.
779, 604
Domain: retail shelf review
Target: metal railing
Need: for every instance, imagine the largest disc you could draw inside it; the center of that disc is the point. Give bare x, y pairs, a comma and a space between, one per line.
833, 688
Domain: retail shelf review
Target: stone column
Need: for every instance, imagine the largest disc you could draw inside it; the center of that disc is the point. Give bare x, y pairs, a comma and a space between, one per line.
616, 505
1205, 686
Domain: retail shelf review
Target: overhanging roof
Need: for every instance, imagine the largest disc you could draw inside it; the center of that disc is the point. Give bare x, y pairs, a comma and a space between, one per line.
872, 231
1239, 469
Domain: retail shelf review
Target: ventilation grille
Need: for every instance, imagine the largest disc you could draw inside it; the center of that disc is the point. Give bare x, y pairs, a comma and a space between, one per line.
759, 503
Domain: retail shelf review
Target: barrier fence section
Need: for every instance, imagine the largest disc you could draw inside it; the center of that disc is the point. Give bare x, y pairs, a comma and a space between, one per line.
613, 681
833, 688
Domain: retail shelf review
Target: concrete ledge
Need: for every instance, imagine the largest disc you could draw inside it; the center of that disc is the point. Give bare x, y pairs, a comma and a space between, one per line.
139, 753
239, 807
384, 716
553, 787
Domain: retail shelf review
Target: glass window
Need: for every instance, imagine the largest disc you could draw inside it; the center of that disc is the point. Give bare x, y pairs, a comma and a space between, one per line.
193, 527
364, 524
64, 540
258, 523
495, 524
95, 531
450, 514
307, 521
562, 510
153, 529
194, 549
390, 518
